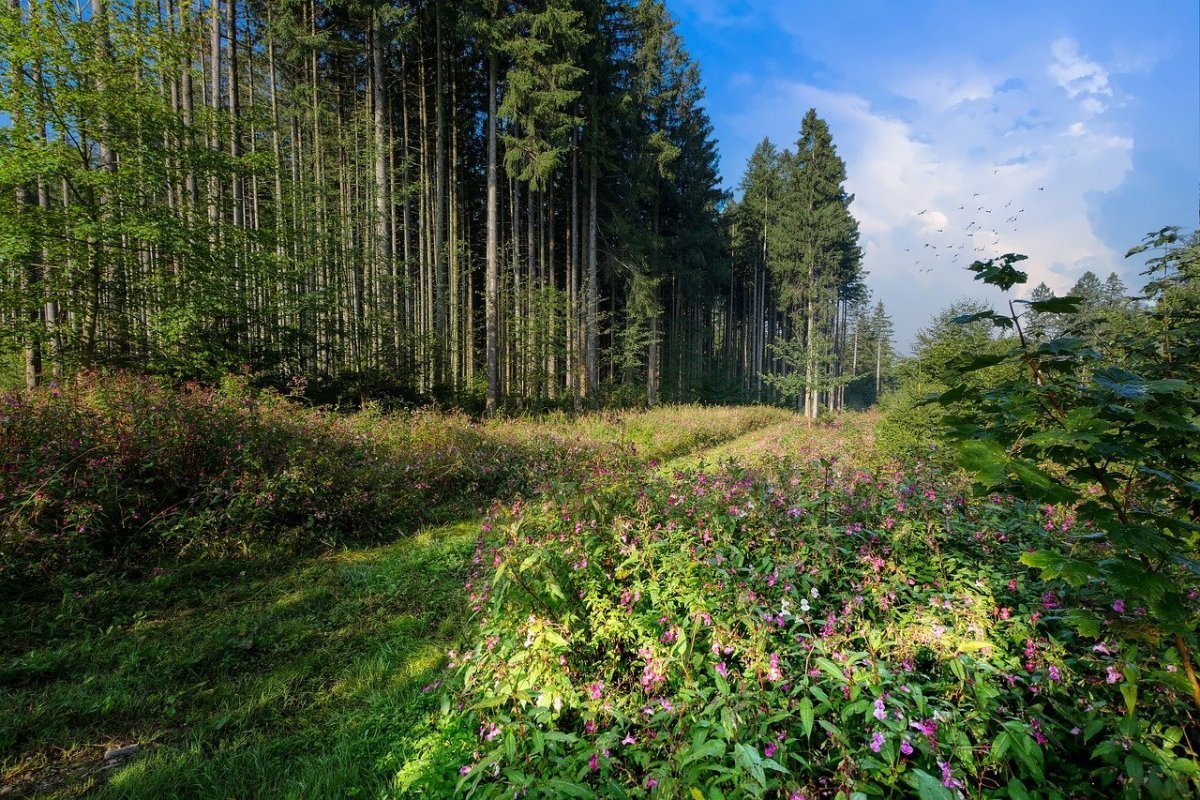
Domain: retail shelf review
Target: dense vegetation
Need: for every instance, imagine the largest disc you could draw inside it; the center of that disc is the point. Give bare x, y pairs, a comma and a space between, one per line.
801, 628
471, 202
223, 223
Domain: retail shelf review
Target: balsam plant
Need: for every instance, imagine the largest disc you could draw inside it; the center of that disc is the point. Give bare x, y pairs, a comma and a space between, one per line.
1108, 435
811, 630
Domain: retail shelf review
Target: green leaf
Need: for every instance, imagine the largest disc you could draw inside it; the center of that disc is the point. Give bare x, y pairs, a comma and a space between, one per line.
967, 319
985, 460
1057, 305
806, 715
930, 788
748, 759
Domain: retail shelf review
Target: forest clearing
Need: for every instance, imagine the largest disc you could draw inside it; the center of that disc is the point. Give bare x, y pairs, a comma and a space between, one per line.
404, 399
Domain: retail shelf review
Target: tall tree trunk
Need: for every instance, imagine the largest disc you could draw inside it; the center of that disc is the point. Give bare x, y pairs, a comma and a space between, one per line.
31, 290
492, 287
593, 295
383, 197
440, 301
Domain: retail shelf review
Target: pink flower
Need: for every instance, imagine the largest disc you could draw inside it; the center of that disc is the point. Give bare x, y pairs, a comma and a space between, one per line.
722, 670
770, 749
594, 762
877, 741
880, 712
1114, 675
925, 726
1119, 606
948, 779
906, 747
1055, 675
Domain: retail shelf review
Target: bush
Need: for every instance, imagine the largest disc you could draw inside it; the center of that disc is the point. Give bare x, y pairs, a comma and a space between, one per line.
806, 632
114, 469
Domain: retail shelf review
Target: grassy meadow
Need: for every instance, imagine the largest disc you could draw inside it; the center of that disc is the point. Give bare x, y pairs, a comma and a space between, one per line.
275, 601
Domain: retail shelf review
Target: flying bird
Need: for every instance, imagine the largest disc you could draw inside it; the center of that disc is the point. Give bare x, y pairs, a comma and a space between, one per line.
919, 213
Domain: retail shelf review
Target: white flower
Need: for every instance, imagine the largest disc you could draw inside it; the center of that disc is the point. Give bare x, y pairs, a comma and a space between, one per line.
804, 605
815, 594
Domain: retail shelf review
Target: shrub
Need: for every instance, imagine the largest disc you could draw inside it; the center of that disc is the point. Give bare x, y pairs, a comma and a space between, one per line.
809, 631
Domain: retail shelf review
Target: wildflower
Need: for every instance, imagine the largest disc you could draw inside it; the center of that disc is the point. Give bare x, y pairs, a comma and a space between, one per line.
948, 779
651, 783
464, 769
1119, 606
594, 762
877, 741
770, 749
1055, 675
1113, 674
880, 712
926, 726
596, 689
906, 748
774, 673
722, 670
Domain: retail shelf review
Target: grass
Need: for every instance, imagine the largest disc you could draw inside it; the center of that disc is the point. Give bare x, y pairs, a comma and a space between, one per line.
290, 680
267, 675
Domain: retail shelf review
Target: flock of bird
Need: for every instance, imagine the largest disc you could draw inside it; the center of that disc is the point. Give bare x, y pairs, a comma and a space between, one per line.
981, 234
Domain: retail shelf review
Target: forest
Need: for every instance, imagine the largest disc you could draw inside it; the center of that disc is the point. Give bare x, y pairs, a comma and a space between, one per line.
476, 203
395, 403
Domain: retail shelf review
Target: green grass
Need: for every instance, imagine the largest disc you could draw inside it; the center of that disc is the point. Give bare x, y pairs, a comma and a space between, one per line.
291, 680
272, 675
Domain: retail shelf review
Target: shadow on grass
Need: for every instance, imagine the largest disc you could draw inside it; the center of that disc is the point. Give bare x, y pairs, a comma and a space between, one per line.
307, 683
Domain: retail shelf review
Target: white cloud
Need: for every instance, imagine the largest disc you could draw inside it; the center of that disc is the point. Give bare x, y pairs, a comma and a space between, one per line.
987, 182
1075, 73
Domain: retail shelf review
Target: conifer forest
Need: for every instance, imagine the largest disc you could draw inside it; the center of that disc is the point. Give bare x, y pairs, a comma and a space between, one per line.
508, 203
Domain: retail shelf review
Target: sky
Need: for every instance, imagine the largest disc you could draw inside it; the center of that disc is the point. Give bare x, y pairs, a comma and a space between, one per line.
1062, 130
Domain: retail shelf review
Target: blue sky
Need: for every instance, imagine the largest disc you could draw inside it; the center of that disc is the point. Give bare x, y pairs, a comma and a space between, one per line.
1079, 119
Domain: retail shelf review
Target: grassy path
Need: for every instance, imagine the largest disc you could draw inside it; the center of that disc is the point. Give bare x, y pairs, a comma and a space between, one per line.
299, 678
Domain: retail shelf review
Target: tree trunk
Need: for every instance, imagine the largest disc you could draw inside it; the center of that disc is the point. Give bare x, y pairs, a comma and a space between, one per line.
593, 300
492, 288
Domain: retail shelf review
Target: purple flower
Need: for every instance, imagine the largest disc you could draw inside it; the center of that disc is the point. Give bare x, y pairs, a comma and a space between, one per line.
1054, 673
774, 673
948, 779
906, 747
770, 749
925, 726
1119, 606
877, 741
1114, 675
722, 670
594, 762
880, 712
